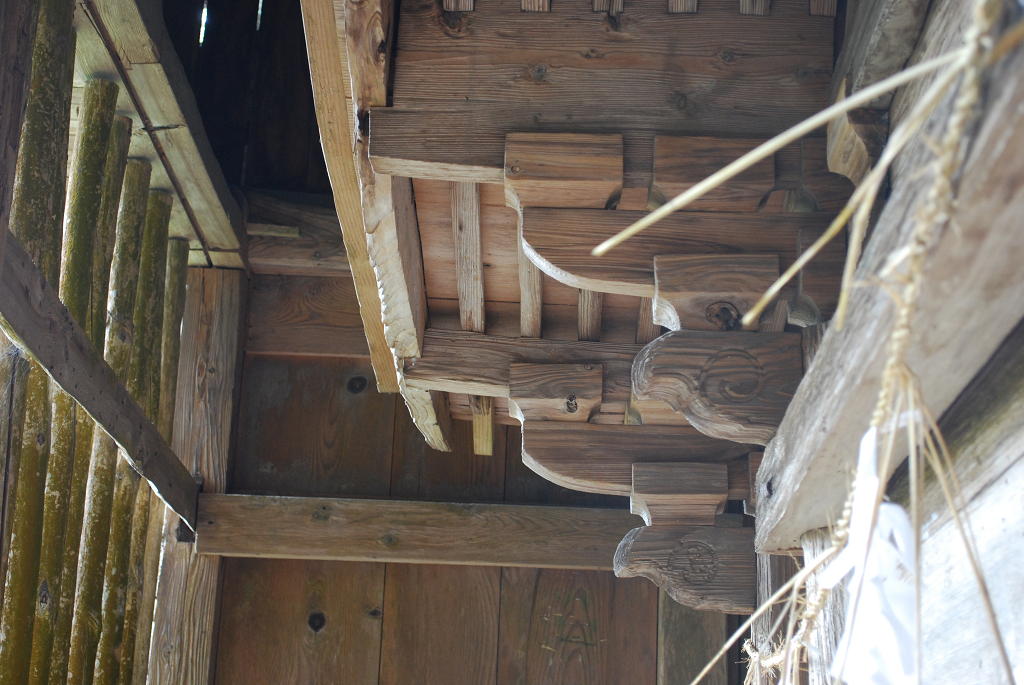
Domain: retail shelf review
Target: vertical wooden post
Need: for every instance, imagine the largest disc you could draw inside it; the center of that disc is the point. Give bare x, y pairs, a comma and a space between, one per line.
124, 274
687, 641
483, 424
85, 188
137, 635
36, 212
185, 617
832, 617
646, 331
588, 315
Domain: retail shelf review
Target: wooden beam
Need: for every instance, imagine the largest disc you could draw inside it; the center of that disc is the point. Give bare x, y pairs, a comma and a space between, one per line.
410, 532
36, 315
679, 494
559, 242
312, 247
554, 392
709, 292
443, 122
483, 424
469, 260
556, 170
683, 161
306, 316
328, 71
880, 36
599, 458
704, 567
971, 282
464, 362
208, 371
127, 42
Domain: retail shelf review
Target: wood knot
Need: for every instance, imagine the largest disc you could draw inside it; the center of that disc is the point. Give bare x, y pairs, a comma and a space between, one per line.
317, 621
571, 405
725, 316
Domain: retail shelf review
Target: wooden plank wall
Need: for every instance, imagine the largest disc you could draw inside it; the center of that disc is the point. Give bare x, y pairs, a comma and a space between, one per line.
317, 426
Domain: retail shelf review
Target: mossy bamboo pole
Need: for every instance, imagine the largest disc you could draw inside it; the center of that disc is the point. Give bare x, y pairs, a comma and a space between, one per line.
85, 192
148, 319
124, 275
103, 253
135, 663
174, 305
36, 216
15, 365
106, 227
134, 583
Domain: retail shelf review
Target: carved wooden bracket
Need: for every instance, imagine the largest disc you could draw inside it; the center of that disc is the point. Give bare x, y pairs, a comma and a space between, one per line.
554, 392
712, 568
737, 388
679, 494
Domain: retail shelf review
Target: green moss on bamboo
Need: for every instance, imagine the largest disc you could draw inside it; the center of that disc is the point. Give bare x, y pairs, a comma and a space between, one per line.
124, 276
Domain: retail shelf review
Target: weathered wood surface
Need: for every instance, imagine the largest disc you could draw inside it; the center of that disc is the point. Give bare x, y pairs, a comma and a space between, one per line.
709, 292
554, 392
687, 640
562, 170
970, 282
680, 494
304, 315
681, 162
129, 44
704, 567
559, 242
562, 627
880, 36
482, 409
469, 260
588, 317
462, 82
184, 619
410, 532
733, 386
441, 626
855, 140
599, 458
35, 313
307, 241
329, 72
478, 364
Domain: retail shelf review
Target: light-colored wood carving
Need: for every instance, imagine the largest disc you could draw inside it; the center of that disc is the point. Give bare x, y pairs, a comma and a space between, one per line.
732, 386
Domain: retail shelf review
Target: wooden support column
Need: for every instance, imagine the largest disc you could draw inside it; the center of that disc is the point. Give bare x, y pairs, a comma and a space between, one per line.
469, 260
186, 607
589, 305
483, 424
646, 329
556, 170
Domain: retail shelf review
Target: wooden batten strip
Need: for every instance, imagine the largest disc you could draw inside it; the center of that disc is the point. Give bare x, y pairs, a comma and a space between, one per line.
756, 7
682, 6
483, 424
458, 5
609, 6
411, 532
469, 261
535, 5
589, 315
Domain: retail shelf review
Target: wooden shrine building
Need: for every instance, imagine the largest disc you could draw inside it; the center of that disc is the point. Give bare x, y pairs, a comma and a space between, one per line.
311, 377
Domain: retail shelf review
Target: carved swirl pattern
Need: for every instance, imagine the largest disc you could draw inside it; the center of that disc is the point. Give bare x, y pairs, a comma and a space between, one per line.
733, 376
696, 561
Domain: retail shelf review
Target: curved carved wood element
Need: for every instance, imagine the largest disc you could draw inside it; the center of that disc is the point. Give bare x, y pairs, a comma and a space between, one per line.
559, 241
599, 458
710, 568
731, 386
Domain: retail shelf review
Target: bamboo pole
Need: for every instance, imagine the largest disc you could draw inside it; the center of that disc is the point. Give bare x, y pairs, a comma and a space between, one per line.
85, 191
138, 634
148, 320
36, 216
106, 225
14, 367
135, 580
124, 274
